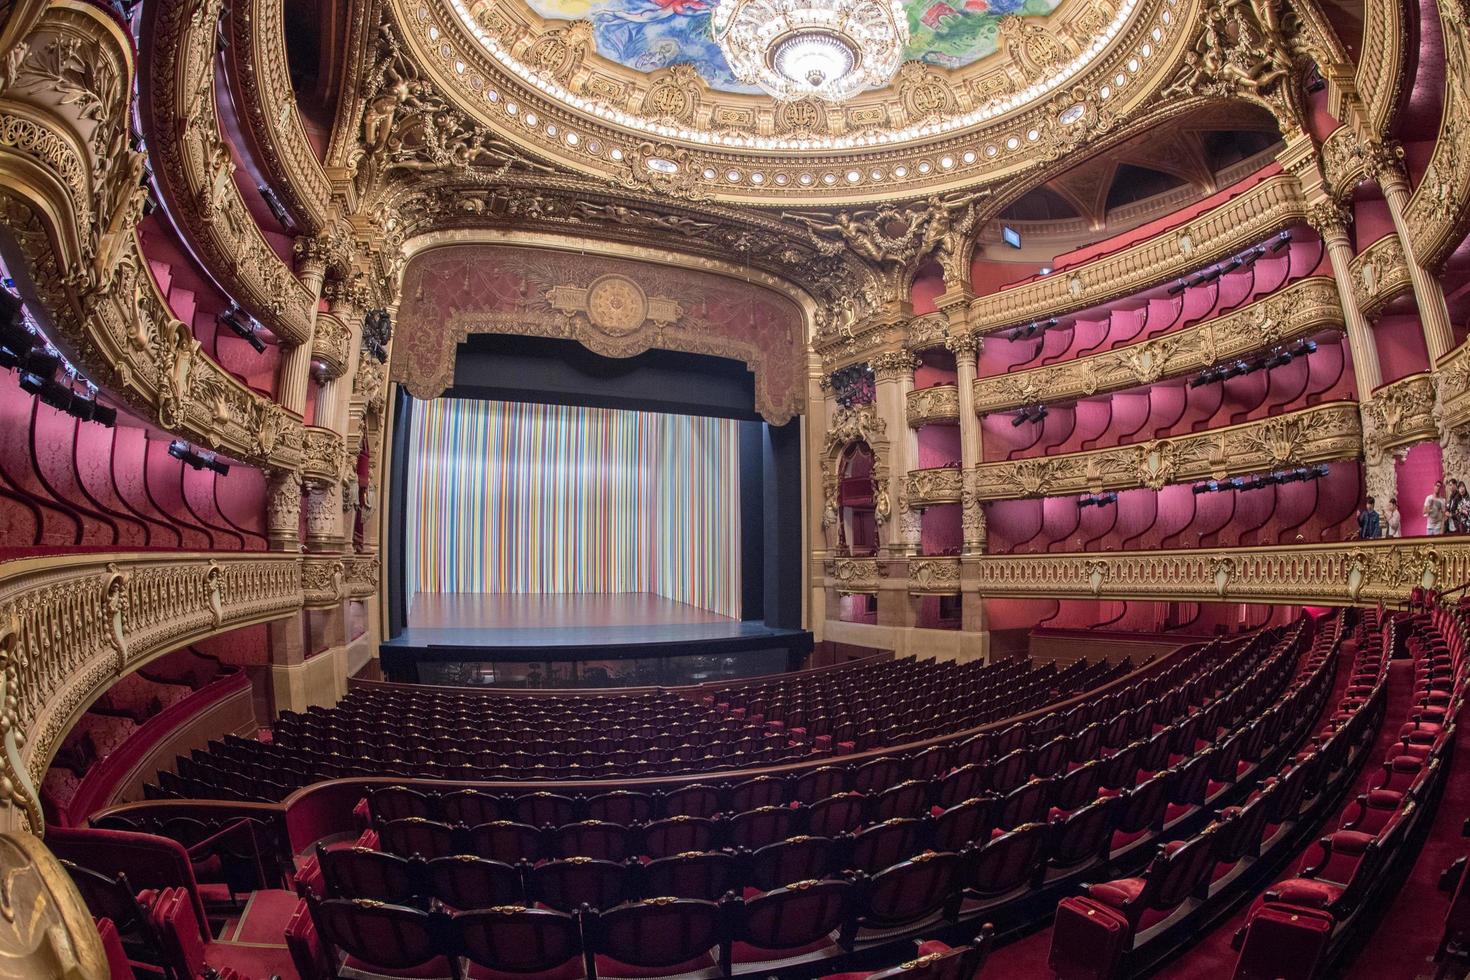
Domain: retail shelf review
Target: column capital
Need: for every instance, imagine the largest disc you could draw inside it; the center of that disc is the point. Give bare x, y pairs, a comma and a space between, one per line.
1330, 220
965, 346
893, 365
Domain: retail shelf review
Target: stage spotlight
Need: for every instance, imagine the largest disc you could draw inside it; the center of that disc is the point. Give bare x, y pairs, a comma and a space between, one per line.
1282, 240
277, 208
241, 326
1178, 288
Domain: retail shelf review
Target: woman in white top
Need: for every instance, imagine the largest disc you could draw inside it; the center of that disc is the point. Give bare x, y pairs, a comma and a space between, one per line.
1392, 519
1434, 505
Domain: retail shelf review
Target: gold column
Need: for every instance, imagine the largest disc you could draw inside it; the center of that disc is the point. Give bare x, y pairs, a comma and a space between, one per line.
295, 370
283, 510
889, 370
967, 348
1434, 314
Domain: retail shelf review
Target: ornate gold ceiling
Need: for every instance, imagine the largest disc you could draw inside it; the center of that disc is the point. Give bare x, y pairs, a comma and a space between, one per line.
1050, 83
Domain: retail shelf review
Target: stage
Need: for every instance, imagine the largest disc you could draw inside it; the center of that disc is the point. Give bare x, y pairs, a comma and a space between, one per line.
581, 640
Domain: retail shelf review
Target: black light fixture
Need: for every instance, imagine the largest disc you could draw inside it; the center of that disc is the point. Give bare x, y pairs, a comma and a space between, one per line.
1031, 413
1300, 474
191, 457
1282, 240
241, 326
277, 207
1276, 357
1098, 500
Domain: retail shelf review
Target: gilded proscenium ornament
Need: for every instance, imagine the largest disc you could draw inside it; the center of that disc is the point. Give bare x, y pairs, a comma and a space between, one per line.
941, 485
934, 576
937, 403
1453, 375
1300, 310
1313, 435
1240, 223
1357, 572
195, 169
71, 625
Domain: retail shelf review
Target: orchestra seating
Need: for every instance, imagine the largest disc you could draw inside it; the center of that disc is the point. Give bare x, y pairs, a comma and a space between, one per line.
455, 734
798, 866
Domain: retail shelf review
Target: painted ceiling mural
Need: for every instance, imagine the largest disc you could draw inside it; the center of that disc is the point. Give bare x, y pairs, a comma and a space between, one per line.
647, 35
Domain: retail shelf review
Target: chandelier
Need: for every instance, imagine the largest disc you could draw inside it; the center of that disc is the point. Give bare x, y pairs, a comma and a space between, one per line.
829, 49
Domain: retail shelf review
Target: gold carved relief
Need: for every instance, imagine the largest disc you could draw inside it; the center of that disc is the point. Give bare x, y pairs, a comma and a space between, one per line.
1313, 435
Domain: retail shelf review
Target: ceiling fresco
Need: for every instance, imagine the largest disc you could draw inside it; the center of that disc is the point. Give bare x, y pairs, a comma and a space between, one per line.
647, 35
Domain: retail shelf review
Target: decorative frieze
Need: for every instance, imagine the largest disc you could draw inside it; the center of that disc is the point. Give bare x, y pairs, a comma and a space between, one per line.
72, 625
938, 403
1313, 435
1321, 574
934, 576
1380, 274
854, 574
941, 485
1437, 213
1304, 308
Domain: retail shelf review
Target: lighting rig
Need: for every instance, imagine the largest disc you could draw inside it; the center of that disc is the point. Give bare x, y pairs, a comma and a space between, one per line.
1245, 259
1276, 357
1031, 329
273, 201
1301, 474
1098, 500
241, 326
1031, 413
192, 457
26, 352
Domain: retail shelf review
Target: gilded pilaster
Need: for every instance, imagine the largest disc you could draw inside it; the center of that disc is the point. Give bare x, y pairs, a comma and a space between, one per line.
893, 373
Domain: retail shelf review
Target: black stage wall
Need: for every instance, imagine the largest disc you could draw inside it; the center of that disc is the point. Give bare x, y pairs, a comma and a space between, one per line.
563, 372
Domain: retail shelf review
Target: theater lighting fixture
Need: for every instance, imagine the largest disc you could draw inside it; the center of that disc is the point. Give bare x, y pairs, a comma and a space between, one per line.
1276, 357
1031, 329
1031, 413
277, 208
1100, 500
1282, 240
241, 326
1301, 474
193, 458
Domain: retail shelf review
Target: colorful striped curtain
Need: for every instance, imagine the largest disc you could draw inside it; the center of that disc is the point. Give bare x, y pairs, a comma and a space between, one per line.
521, 498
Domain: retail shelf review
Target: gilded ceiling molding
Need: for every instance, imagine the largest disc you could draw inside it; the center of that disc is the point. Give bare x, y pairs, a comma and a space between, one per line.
1380, 275
1306, 307
1311, 435
618, 304
938, 403
1355, 572
1439, 211
72, 625
195, 172
1247, 220
260, 79
1025, 105
1399, 414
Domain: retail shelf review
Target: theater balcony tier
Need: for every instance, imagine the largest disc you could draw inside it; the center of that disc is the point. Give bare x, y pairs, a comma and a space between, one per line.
939, 403
1302, 309
1332, 574
71, 625
942, 485
1312, 435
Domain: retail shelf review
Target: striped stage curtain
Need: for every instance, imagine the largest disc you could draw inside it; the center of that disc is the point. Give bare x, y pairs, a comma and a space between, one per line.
521, 498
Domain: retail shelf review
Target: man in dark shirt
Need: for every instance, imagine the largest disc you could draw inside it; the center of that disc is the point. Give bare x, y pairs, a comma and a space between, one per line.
1369, 523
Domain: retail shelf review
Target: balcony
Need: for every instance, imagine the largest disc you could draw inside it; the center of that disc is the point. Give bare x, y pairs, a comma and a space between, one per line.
941, 403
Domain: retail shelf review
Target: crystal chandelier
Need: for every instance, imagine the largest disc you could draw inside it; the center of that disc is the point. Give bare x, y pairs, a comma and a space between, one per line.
829, 49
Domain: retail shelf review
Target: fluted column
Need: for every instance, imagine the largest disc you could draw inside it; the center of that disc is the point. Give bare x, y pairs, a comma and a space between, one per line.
1434, 314
1331, 222
295, 369
898, 529
967, 348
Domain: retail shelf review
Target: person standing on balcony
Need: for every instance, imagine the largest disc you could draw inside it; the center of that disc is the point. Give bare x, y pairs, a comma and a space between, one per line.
1368, 522
1434, 508
1392, 519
